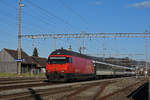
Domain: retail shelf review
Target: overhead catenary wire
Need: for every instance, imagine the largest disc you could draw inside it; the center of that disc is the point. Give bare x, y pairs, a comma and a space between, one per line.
28, 26
10, 5
42, 17
14, 8
39, 19
8, 14
74, 12
49, 13
34, 16
9, 23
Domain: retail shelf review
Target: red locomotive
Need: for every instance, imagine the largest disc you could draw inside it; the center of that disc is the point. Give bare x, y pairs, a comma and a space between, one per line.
66, 65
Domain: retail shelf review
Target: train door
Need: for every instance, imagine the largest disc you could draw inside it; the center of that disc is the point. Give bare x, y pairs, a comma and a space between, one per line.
95, 69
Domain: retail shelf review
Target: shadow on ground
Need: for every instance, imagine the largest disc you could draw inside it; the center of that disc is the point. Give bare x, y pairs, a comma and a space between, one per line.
140, 93
34, 94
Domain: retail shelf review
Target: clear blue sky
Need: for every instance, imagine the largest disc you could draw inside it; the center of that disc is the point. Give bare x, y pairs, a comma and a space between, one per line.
70, 16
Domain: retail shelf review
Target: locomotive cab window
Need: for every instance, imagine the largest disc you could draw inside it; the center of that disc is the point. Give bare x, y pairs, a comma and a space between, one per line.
128, 70
59, 60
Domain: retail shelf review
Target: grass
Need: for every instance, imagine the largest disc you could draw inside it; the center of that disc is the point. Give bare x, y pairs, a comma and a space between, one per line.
22, 75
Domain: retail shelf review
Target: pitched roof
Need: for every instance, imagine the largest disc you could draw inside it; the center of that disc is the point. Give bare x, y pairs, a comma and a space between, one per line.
41, 62
14, 53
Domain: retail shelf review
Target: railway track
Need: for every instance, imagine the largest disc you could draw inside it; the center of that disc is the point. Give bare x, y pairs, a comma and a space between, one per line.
20, 81
95, 94
25, 85
117, 92
73, 89
31, 93
20, 78
92, 90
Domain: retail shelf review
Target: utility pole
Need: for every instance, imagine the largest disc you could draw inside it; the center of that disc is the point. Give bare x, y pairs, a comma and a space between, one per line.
104, 47
83, 48
54, 43
33, 44
79, 48
146, 54
19, 39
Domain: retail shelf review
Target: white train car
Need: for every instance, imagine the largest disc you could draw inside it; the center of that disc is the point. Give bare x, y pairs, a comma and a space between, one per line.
107, 69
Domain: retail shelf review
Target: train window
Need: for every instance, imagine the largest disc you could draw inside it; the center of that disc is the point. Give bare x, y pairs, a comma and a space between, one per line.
57, 60
128, 70
69, 60
104, 67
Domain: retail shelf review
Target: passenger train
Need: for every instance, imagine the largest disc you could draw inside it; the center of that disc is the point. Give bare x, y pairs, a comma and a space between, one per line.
64, 65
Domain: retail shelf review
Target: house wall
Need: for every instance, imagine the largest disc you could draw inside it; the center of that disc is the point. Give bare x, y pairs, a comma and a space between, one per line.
8, 67
28, 68
43, 70
7, 63
5, 57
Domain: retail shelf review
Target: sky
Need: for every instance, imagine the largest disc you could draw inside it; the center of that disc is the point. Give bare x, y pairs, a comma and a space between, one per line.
76, 16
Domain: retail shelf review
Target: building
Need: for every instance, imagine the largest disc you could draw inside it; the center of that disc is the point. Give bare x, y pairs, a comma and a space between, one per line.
40, 63
29, 64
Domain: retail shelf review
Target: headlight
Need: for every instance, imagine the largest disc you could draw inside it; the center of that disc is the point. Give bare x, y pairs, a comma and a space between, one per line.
62, 71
